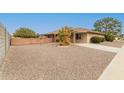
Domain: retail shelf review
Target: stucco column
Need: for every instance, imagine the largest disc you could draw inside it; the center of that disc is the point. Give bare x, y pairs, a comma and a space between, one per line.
54, 36
74, 38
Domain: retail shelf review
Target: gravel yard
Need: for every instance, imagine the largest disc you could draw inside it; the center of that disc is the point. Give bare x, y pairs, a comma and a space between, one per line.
113, 44
54, 63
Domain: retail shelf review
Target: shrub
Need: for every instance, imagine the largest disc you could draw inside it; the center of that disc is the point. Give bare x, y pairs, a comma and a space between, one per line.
102, 39
25, 33
57, 40
109, 37
64, 36
97, 39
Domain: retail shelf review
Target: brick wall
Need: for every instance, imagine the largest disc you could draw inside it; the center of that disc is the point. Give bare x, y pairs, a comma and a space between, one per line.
29, 41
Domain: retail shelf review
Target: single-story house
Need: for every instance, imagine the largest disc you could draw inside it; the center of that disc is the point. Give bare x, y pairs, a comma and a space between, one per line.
79, 35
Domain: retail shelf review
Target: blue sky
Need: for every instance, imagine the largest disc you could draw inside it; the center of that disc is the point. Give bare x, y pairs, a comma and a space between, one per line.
47, 22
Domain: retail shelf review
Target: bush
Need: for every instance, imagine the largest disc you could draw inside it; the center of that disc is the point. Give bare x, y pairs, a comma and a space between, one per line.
64, 36
57, 40
102, 39
25, 33
109, 37
97, 39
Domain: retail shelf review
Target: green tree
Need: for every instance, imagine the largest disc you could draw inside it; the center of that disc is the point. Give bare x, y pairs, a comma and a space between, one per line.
64, 36
108, 24
109, 36
25, 33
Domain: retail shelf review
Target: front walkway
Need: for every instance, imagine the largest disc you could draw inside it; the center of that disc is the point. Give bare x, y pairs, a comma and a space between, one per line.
99, 47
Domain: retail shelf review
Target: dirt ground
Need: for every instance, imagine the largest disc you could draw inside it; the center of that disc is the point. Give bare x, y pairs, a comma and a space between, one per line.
114, 44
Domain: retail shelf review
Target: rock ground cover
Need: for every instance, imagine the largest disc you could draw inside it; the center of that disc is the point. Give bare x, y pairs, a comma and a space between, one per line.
118, 44
49, 62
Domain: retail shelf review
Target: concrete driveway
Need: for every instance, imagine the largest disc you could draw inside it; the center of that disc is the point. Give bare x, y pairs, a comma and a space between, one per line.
115, 70
99, 47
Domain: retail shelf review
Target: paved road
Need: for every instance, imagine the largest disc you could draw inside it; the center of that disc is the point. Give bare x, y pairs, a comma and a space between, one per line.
50, 62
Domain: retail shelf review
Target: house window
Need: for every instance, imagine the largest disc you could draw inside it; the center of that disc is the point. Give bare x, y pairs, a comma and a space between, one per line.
78, 36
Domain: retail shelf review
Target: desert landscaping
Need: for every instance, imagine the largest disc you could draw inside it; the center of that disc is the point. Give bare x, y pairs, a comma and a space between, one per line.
65, 54
51, 62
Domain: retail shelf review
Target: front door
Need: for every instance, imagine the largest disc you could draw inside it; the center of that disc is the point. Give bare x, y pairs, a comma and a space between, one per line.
78, 37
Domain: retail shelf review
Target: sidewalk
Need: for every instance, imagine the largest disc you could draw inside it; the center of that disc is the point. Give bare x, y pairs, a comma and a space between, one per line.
115, 70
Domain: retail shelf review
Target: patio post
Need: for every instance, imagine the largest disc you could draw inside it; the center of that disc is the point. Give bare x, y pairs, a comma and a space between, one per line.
73, 37
54, 36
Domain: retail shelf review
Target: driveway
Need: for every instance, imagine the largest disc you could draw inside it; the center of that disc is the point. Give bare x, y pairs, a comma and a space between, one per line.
115, 70
99, 47
49, 62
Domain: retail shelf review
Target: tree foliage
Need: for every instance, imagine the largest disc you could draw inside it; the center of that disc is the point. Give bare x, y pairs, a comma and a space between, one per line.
25, 33
64, 35
109, 36
108, 24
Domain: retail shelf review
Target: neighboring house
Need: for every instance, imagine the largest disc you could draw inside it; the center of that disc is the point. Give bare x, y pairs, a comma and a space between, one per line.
79, 35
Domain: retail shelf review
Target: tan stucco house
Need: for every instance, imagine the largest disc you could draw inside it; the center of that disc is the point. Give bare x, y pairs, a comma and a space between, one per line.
79, 35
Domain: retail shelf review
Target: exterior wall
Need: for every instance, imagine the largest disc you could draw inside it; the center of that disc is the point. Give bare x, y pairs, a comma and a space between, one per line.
72, 38
29, 41
85, 37
90, 35
4, 43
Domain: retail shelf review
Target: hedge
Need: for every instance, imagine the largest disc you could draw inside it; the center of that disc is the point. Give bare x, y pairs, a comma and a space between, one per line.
97, 39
